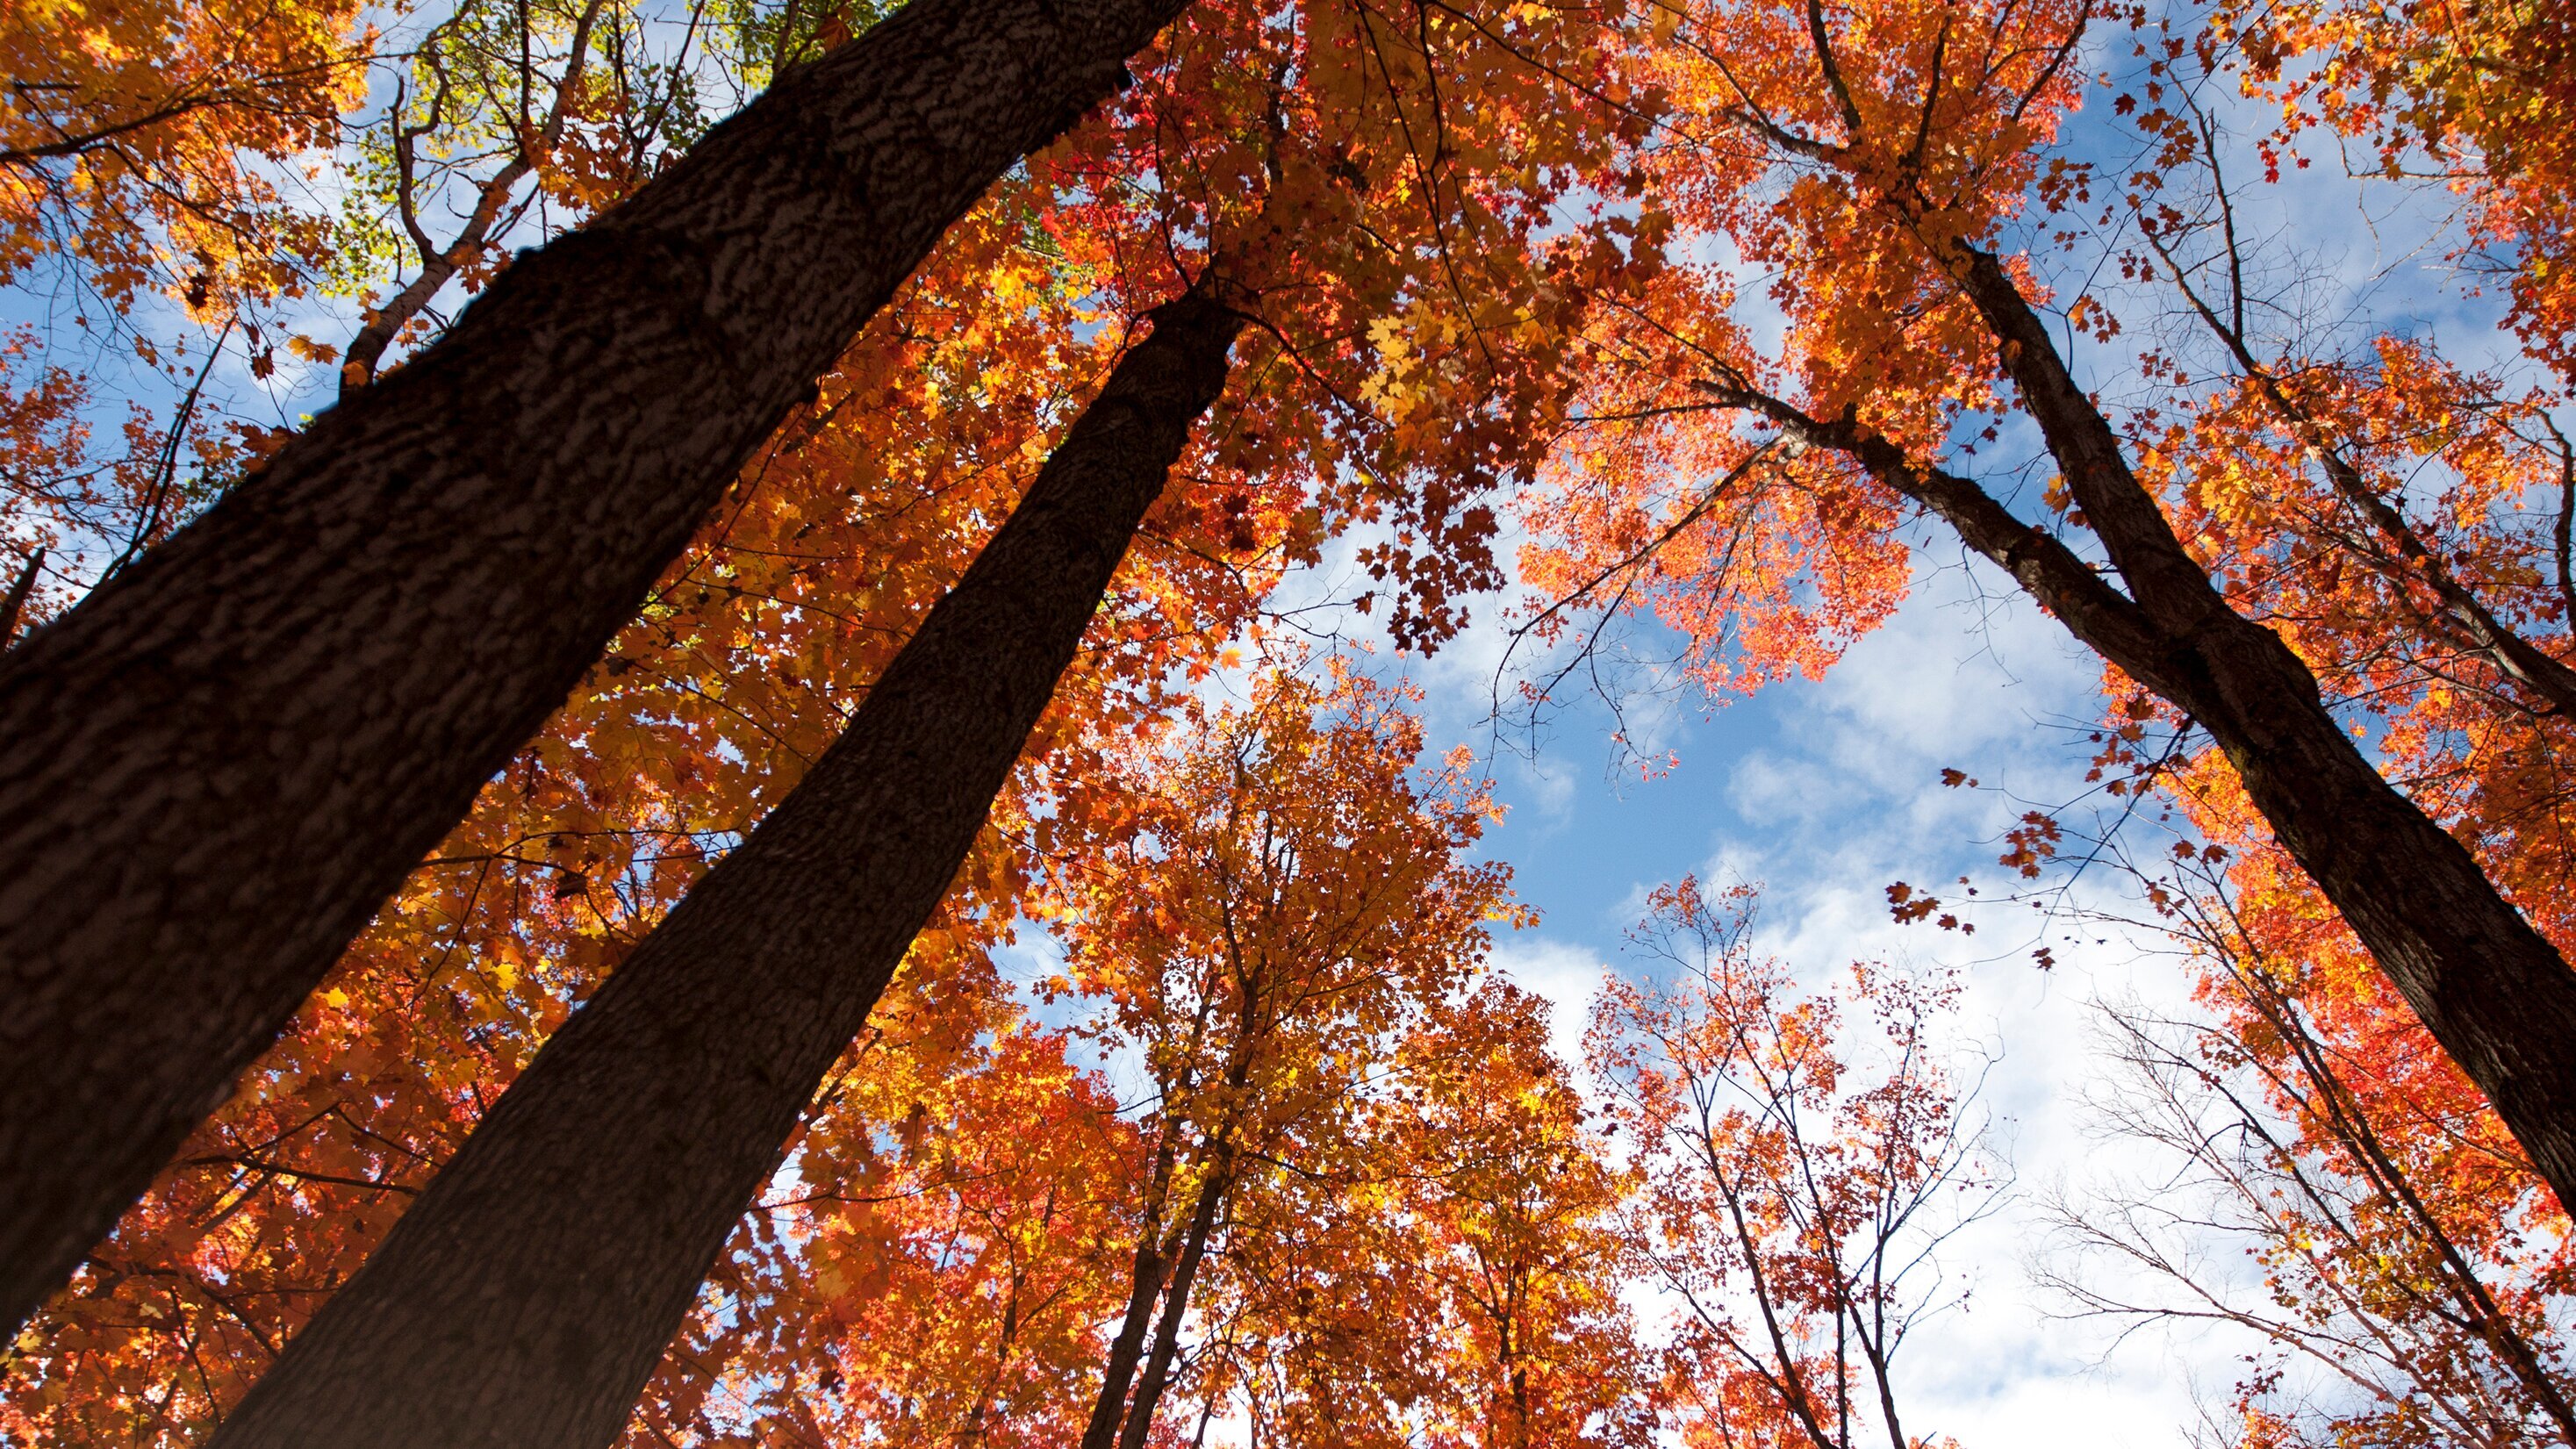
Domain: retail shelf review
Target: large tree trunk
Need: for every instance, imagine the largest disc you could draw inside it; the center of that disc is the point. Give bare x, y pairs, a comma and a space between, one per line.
2492, 990
2497, 996
218, 766
524, 1299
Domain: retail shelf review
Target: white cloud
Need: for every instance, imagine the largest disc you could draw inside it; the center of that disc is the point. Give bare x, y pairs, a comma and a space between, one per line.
1830, 793
1567, 975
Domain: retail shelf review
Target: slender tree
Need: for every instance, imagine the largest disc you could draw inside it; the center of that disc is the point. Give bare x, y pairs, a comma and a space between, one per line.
1286, 903
2490, 988
2420, 1323
220, 763
1806, 1155
526, 1297
1452, 1279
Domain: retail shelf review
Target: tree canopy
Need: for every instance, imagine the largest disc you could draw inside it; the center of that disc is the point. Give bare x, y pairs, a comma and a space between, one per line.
907, 540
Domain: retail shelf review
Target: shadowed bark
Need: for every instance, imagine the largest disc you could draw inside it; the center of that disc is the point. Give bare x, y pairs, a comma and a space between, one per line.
1114, 1424
220, 764
525, 1298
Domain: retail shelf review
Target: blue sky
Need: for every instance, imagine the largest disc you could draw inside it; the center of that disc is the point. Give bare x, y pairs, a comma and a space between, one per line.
1827, 791
1824, 793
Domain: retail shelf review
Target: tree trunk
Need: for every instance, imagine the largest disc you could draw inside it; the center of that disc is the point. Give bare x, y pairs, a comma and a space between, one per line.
16, 602
2497, 996
2490, 988
1109, 1410
1144, 1287
1176, 1304
524, 1299
221, 763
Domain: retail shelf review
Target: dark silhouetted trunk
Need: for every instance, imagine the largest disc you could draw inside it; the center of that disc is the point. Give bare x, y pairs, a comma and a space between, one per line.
16, 603
2490, 988
1109, 1412
1176, 1306
2497, 996
1144, 1289
524, 1299
220, 764
1113, 1425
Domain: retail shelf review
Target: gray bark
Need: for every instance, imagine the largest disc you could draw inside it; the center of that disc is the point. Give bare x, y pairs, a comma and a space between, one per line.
221, 763
524, 1299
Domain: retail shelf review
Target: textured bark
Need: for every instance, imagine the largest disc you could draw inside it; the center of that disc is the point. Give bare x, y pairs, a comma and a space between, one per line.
2492, 990
2497, 996
222, 762
524, 1299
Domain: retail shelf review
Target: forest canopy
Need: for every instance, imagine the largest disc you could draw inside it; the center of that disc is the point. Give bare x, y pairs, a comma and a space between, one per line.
795, 722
